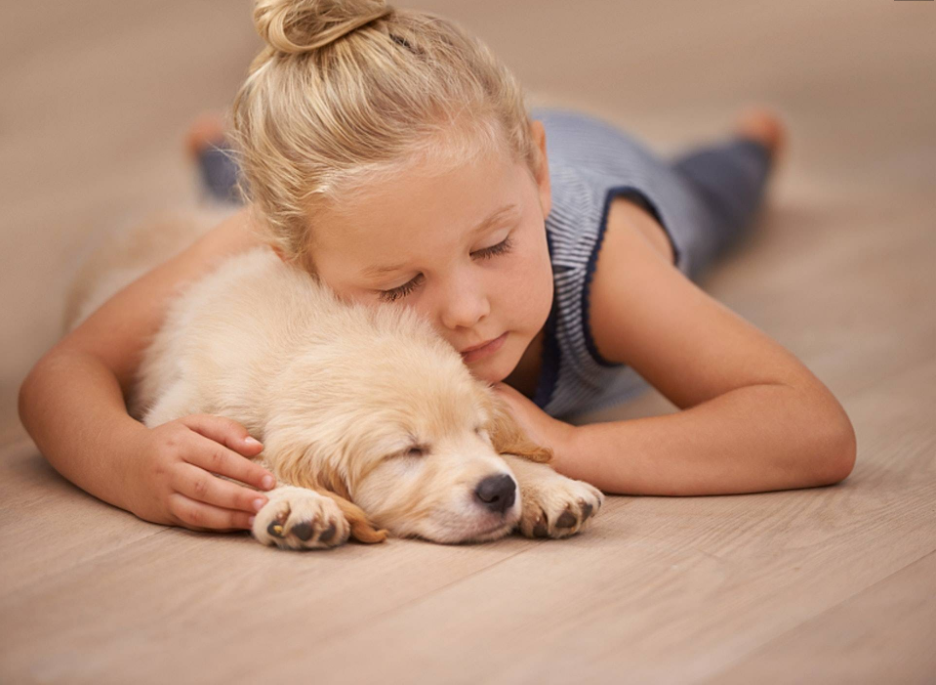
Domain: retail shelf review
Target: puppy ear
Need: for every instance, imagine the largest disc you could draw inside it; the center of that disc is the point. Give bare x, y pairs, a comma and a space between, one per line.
330, 482
509, 438
294, 468
361, 529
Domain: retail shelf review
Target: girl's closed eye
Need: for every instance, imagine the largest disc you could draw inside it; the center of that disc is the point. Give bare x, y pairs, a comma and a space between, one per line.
396, 293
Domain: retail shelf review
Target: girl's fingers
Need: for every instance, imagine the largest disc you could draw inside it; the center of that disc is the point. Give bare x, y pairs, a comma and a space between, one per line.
204, 517
209, 454
199, 485
226, 431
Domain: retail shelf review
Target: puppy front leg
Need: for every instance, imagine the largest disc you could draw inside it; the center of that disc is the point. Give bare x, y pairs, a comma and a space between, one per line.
553, 506
294, 465
299, 518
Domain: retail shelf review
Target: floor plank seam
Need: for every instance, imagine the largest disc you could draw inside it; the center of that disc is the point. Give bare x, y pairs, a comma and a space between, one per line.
752, 653
14, 440
376, 618
52, 576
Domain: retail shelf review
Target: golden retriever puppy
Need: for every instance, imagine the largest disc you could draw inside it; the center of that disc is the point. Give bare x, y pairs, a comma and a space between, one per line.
370, 421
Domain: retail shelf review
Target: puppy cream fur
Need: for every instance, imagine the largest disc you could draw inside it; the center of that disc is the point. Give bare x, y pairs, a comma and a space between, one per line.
370, 421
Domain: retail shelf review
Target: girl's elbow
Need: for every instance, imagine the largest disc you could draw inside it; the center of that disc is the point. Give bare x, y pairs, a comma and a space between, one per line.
849, 450
25, 394
840, 450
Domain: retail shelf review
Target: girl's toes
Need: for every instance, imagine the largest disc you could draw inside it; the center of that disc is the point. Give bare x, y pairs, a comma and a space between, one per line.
208, 129
765, 126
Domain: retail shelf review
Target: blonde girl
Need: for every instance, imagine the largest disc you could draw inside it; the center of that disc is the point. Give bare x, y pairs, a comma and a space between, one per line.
391, 156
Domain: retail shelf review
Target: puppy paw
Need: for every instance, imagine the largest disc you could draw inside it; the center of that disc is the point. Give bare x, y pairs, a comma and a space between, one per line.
298, 518
557, 507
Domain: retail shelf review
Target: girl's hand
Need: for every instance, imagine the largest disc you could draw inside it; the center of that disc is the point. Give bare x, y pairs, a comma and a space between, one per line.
539, 426
170, 478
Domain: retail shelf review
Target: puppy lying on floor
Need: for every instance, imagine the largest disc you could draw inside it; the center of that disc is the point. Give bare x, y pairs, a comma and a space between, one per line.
370, 421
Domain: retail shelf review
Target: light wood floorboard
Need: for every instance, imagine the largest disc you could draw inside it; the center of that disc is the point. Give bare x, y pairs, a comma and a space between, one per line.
831, 585
847, 645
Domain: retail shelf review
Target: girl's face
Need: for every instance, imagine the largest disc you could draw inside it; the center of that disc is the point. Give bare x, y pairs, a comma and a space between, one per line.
465, 248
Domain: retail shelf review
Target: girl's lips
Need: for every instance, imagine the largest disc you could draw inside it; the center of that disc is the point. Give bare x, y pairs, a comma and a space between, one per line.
484, 351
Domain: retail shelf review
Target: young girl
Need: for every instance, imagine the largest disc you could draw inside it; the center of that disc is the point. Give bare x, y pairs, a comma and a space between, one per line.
392, 156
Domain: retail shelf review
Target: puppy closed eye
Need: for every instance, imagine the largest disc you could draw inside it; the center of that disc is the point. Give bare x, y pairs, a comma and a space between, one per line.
416, 451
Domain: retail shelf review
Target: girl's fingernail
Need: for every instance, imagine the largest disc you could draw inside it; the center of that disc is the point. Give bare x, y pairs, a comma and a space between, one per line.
258, 504
251, 520
268, 482
250, 440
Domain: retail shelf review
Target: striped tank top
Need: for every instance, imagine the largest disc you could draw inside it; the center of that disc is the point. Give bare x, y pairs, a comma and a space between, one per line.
591, 163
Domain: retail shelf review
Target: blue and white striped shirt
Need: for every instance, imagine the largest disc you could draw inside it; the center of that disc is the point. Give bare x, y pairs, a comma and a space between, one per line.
591, 163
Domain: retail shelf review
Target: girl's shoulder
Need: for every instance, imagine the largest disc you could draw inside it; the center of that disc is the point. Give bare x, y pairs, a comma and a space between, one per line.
632, 236
234, 234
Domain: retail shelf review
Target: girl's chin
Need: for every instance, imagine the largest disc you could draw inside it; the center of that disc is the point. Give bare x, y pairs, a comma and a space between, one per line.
494, 369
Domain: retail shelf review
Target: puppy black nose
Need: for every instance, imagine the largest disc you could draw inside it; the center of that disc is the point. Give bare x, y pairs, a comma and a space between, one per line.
497, 493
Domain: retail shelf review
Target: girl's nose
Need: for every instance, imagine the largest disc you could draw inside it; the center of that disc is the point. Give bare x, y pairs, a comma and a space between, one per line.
465, 303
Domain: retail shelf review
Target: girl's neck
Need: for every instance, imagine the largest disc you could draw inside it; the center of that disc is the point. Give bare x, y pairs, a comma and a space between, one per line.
525, 376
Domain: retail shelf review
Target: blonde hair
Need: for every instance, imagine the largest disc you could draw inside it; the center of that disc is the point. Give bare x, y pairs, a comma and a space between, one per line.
348, 92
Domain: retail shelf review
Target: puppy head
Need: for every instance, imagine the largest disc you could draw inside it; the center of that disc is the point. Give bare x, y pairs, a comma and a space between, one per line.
408, 439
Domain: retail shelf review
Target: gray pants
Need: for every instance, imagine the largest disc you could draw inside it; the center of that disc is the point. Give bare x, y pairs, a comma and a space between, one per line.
730, 179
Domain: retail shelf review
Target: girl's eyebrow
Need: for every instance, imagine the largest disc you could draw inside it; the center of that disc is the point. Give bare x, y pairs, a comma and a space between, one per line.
495, 216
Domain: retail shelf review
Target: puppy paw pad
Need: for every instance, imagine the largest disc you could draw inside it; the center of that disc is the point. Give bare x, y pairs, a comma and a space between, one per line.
328, 533
541, 530
566, 520
304, 531
296, 518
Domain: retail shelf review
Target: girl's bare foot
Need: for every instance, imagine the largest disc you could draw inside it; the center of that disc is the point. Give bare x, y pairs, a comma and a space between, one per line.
207, 130
763, 125
209, 149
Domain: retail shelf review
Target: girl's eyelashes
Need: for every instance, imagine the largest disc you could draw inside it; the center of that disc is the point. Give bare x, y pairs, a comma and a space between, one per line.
405, 289
494, 250
402, 291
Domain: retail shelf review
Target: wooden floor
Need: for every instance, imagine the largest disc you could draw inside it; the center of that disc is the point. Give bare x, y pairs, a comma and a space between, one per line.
832, 585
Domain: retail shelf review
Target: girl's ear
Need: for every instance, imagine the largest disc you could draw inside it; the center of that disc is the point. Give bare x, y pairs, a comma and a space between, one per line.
542, 176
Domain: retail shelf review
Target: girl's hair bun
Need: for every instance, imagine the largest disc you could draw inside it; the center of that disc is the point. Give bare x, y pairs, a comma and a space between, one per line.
298, 26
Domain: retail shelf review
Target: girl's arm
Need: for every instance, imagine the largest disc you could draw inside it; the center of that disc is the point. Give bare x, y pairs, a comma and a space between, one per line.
72, 405
753, 417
